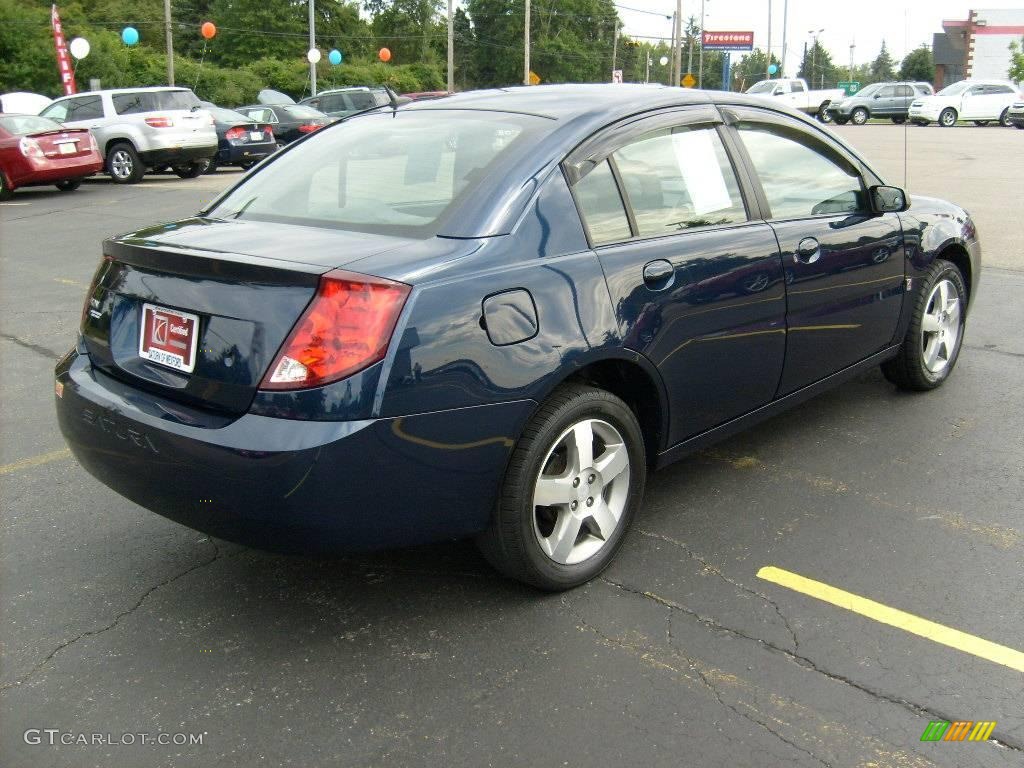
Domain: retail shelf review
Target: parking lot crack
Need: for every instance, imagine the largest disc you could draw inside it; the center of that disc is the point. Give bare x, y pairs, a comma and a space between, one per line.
716, 571
116, 620
37, 348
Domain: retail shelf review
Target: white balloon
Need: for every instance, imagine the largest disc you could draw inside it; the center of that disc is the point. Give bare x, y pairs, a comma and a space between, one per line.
79, 47
313, 55
663, 60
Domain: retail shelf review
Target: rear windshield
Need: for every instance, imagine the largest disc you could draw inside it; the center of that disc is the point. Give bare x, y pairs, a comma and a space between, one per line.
301, 112
153, 101
394, 173
22, 125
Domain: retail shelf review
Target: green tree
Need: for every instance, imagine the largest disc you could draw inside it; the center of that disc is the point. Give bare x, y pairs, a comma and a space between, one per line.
918, 65
817, 67
883, 68
1016, 71
751, 68
407, 28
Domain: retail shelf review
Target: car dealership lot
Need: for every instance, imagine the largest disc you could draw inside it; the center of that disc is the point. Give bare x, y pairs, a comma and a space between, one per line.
116, 621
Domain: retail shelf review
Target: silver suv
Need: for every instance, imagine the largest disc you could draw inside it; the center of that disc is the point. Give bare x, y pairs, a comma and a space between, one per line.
139, 128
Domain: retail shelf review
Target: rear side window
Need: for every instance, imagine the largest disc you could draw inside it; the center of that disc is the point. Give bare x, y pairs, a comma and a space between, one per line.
395, 174
601, 205
678, 179
797, 87
153, 101
904, 90
800, 177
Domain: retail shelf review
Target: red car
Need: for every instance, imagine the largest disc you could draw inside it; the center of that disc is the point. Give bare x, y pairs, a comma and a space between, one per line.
36, 150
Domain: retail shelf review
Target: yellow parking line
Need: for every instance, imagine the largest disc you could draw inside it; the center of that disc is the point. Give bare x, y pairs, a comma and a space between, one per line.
938, 633
34, 461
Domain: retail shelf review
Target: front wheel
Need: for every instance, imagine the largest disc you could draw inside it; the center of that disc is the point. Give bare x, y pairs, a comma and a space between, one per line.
948, 117
6, 193
573, 484
859, 116
932, 344
1004, 118
69, 185
823, 113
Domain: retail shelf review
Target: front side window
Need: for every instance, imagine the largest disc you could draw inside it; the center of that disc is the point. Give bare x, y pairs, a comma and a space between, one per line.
81, 108
601, 206
679, 178
56, 111
390, 174
801, 177
888, 92
798, 87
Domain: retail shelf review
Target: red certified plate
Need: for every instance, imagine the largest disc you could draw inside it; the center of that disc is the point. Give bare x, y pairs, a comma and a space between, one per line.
169, 337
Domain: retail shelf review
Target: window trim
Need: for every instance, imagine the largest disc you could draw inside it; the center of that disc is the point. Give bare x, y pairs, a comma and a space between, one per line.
602, 145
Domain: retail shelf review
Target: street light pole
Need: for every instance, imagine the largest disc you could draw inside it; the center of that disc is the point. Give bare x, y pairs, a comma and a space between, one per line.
170, 42
526, 47
767, 67
785, 29
677, 48
451, 49
700, 51
312, 45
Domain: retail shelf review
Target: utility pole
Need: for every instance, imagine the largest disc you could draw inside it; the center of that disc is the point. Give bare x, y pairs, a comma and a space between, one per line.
451, 49
785, 29
677, 42
526, 47
647, 68
170, 42
853, 45
767, 66
700, 54
312, 45
615, 44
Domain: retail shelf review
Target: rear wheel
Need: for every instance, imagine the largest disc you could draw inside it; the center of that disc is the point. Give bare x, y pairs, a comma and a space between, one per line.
859, 116
1004, 119
573, 484
191, 170
124, 165
932, 344
947, 119
899, 119
69, 185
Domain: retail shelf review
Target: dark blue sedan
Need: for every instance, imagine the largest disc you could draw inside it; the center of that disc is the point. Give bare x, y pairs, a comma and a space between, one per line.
491, 315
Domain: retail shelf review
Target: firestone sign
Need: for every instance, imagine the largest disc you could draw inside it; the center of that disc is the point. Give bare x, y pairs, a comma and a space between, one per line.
728, 41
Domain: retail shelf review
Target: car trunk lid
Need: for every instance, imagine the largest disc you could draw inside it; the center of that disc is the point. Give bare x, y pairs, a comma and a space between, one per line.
67, 142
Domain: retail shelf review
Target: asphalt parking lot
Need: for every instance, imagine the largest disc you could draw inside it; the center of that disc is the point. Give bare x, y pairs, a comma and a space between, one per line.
116, 621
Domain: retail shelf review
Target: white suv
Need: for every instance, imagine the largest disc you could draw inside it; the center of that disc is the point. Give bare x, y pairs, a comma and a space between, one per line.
982, 101
139, 128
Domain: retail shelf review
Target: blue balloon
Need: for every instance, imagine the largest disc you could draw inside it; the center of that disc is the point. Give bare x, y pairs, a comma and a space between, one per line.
334, 57
772, 69
130, 35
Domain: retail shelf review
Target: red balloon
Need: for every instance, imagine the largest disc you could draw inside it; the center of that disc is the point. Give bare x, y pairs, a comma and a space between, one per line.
384, 54
208, 30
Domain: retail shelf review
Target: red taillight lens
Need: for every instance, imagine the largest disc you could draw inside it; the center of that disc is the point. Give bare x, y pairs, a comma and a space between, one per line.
159, 122
237, 132
308, 127
345, 329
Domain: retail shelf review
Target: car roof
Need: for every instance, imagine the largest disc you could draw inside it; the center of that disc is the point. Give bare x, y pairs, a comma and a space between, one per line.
114, 91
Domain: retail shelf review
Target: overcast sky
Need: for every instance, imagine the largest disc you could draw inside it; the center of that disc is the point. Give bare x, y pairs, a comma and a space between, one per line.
903, 24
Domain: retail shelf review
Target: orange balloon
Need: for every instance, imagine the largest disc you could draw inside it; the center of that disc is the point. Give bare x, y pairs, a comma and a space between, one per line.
208, 30
384, 54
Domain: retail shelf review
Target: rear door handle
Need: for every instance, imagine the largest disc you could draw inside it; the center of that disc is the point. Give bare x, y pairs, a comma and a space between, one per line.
658, 274
808, 251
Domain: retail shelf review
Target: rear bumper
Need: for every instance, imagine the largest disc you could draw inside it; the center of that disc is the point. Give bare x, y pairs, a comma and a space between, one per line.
177, 155
291, 485
50, 171
229, 154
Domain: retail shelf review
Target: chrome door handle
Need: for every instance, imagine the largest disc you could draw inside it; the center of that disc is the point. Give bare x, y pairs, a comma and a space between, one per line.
808, 251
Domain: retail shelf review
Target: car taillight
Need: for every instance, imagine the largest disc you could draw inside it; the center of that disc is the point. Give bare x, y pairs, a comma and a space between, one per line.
345, 329
105, 262
30, 147
160, 122
308, 127
237, 132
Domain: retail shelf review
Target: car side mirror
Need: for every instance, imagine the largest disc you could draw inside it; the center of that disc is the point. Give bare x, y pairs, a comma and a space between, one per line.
888, 199
878, 95
778, 92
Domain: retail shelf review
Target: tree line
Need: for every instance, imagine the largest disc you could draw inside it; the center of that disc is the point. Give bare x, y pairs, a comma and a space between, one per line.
262, 43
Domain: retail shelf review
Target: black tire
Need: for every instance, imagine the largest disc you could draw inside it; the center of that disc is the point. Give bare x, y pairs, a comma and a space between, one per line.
1019, 125
919, 122
899, 120
212, 167
859, 116
981, 123
511, 543
247, 165
841, 120
69, 185
192, 170
947, 118
823, 113
908, 370
6, 193
123, 164
1004, 118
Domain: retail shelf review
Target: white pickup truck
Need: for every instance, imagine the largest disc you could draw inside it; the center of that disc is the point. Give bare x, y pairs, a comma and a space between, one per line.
795, 93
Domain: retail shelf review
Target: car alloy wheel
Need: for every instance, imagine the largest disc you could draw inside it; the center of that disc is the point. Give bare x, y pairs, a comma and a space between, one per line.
940, 327
581, 492
1004, 119
859, 116
948, 118
122, 165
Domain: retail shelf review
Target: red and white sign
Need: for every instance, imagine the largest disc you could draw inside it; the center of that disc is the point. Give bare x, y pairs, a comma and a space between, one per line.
67, 74
728, 41
169, 337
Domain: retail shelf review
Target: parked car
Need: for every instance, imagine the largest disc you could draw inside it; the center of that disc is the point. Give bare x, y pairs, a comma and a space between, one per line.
140, 128
890, 100
36, 150
795, 93
981, 101
342, 102
500, 327
23, 103
240, 140
288, 121
1016, 114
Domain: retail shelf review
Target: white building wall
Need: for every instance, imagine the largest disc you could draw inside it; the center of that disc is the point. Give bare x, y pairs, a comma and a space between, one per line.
990, 54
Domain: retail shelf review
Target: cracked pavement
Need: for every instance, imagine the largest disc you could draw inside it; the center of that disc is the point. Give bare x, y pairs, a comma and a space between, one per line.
116, 621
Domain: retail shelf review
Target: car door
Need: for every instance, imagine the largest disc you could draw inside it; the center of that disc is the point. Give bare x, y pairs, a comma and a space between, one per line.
694, 275
84, 111
904, 95
844, 264
972, 103
885, 101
